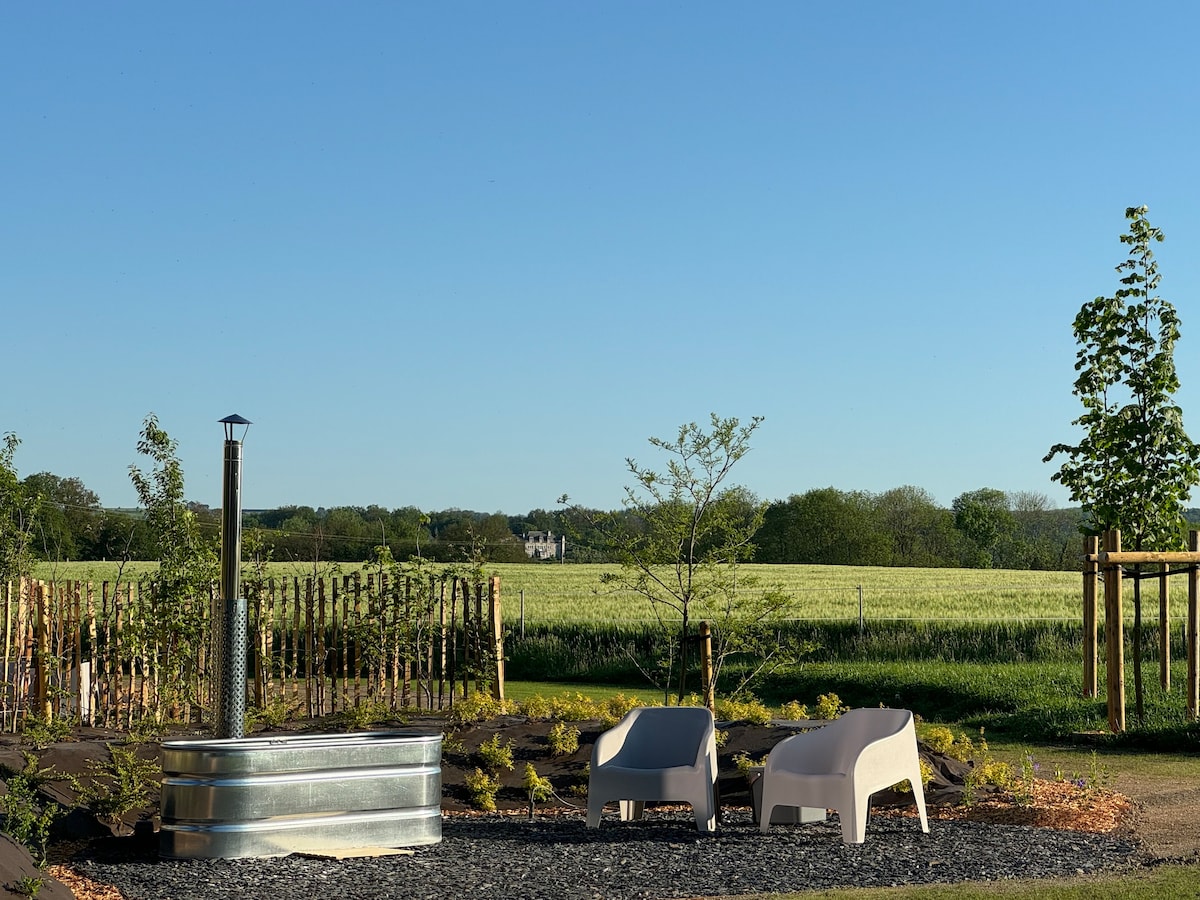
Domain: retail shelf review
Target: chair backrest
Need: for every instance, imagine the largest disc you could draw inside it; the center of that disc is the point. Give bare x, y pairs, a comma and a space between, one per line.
859, 727
836, 747
662, 737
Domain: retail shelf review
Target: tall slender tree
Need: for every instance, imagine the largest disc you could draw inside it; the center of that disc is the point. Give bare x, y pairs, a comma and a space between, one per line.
1134, 467
681, 538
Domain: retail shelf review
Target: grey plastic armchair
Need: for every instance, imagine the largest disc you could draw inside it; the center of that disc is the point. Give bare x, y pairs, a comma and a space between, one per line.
656, 753
842, 764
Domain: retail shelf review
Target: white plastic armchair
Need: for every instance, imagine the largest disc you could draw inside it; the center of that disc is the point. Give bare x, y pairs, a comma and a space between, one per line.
840, 765
656, 753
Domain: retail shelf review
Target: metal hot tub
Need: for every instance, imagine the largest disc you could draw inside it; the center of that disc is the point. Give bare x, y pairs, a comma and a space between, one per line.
271, 796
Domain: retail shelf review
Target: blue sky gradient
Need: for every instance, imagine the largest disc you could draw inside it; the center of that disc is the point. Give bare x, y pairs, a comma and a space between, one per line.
473, 254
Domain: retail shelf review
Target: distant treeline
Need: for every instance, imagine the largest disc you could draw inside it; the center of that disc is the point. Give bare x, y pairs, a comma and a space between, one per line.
985, 528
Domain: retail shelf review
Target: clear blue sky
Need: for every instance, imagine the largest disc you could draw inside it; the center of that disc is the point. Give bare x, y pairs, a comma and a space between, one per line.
474, 254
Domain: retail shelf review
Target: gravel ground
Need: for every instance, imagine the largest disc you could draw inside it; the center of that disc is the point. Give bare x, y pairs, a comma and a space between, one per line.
660, 857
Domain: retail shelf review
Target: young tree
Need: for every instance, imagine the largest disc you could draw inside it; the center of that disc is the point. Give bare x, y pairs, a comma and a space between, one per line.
187, 567
1135, 466
680, 545
18, 517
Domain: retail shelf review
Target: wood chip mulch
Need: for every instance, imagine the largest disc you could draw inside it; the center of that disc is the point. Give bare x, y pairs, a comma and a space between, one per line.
1050, 804
84, 888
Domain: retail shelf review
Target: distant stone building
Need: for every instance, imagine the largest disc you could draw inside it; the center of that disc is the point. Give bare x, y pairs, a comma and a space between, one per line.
544, 545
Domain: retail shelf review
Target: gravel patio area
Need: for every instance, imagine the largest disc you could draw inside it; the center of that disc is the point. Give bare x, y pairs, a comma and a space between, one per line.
661, 857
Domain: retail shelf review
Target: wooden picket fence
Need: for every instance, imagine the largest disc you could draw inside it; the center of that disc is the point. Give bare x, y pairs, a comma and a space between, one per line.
89, 652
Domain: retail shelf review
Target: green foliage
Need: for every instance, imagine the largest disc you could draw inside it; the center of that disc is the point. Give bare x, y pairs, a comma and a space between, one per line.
905, 786
743, 762
18, 516
365, 712
281, 709
117, 786
1135, 466
679, 544
828, 706
479, 707
27, 819
42, 732
174, 631
482, 789
495, 755
538, 789
793, 710
940, 739
744, 708
29, 886
563, 739
984, 518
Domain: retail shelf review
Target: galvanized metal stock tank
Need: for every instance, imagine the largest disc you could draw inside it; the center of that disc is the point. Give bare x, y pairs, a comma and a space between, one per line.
271, 796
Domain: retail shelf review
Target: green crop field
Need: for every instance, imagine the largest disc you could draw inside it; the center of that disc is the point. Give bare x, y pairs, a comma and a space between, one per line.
573, 593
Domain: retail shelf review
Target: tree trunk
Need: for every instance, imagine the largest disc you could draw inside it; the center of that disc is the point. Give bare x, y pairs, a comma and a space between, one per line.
683, 656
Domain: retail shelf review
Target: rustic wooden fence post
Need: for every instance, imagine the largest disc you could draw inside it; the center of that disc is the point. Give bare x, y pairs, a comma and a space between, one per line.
1164, 629
706, 667
1091, 650
497, 637
1114, 630
1193, 649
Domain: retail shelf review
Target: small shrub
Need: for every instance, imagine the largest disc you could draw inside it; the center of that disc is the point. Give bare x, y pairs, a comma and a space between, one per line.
616, 707
478, 707
744, 709
118, 786
28, 886
44, 732
278, 711
1022, 785
574, 707
537, 707
538, 789
905, 786
365, 713
938, 738
481, 790
563, 739
494, 755
793, 711
743, 763
720, 737
26, 820
829, 706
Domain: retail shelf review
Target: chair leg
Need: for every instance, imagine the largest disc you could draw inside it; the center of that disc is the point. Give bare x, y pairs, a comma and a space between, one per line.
919, 795
854, 818
765, 811
631, 809
706, 815
594, 812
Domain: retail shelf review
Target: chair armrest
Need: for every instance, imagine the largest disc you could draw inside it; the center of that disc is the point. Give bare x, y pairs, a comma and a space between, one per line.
610, 742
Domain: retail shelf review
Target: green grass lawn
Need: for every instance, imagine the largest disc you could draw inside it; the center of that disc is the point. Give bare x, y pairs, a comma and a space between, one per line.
1167, 882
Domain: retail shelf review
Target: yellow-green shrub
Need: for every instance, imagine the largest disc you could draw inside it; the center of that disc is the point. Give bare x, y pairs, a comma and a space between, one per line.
481, 790
616, 707
494, 755
537, 707
829, 706
476, 708
538, 788
744, 709
793, 711
563, 739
